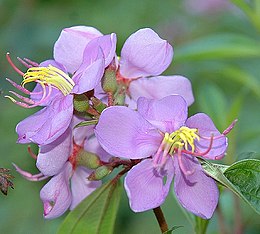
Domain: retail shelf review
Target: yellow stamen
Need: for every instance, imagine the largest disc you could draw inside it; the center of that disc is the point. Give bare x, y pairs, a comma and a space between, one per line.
11, 98
182, 138
49, 75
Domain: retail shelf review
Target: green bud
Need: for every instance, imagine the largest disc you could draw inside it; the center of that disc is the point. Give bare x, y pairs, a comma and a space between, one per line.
120, 99
100, 173
80, 102
109, 83
98, 105
88, 159
119, 96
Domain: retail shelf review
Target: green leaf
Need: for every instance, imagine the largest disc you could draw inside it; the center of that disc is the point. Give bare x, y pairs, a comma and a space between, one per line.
96, 214
245, 176
241, 76
172, 229
213, 102
218, 46
87, 123
242, 177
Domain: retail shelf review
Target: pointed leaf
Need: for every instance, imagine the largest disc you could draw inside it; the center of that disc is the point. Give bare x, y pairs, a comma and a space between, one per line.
242, 177
96, 214
245, 176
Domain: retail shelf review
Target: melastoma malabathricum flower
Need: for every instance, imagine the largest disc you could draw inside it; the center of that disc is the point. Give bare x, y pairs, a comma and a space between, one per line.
64, 161
86, 54
144, 56
168, 142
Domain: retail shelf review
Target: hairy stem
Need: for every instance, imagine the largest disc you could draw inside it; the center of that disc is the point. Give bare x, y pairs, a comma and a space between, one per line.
160, 219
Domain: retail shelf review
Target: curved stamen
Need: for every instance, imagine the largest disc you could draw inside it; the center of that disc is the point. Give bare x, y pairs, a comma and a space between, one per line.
33, 155
182, 167
29, 176
224, 133
12, 64
230, 127
22, 89
49, 75
201, 154
34, 64
25, 99
24, 63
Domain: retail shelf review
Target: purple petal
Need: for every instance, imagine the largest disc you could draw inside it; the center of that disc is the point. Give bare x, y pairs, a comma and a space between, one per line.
85, 136
123, 132
53, 63
52, 157
97, 55
196, 192
82, 133
56, 194
46, 125
160, 87
92, 145
145, 185
108, 45
168, 114
69, 48
37, 94
90, 72
131, 103
145, 54
81, 187
206, 128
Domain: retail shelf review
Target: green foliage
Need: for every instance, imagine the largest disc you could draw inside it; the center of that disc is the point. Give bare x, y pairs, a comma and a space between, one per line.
218, 46
245, 176
96, 214
242, 177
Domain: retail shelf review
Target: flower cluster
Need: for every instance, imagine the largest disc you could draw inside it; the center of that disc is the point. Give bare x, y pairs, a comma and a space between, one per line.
133, 112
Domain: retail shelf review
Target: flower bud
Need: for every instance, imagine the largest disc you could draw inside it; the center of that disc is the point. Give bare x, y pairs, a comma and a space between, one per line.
120, 99
109, 83
98, 105
80, 103
100, 173
88, 159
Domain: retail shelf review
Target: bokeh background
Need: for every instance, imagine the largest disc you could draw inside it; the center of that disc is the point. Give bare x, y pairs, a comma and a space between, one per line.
216, 46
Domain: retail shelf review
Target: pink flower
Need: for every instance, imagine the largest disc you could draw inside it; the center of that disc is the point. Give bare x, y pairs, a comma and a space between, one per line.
68, 185
144, 57
86, 57
168, 142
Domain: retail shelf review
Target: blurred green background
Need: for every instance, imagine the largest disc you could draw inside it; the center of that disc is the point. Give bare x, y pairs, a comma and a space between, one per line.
216, 46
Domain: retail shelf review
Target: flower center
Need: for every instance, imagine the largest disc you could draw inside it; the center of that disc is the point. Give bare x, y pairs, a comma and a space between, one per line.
181, 138
172, 143
49, 76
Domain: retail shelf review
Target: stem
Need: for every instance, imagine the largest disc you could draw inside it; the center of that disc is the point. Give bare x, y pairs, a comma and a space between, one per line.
110, 99
160, 219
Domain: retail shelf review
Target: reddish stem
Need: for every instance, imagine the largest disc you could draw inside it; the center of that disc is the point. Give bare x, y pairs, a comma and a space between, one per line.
160, 219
